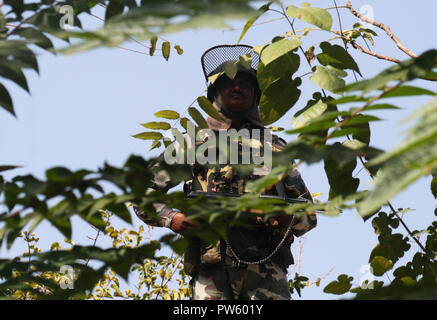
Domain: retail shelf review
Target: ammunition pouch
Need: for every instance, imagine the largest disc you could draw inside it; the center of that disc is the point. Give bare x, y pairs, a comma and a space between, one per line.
284, 257
201, 254
192, 258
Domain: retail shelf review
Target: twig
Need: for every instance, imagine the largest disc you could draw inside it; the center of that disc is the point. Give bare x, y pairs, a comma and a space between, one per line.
374, 54
367, 45
95, 241
162, 279
299, 255
336, 7
30, 254
383, 27
149, 234
305, 74
341, 27
342, 35
294, 31
327, 274
369, 52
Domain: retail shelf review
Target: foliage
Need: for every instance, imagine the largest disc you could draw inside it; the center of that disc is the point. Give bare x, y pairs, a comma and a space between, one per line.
153, 275
335, 130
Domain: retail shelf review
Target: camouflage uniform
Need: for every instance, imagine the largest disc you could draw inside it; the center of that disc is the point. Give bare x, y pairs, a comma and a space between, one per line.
213, 270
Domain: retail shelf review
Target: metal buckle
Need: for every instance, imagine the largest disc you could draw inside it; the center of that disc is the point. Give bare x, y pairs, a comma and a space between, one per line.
236, 264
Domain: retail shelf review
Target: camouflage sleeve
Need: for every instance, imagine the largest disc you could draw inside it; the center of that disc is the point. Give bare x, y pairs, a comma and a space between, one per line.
161, 180
296, 188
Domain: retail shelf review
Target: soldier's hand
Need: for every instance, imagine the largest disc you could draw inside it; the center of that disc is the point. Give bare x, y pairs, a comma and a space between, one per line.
179, 223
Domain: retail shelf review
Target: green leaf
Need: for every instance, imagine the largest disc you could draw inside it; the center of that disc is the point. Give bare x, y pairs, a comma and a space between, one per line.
336, 56
278, 98
416, 157
434, 185
34, 36
380, 265
329, 78
363, 128
148, 135
340, 286
421, 133
157, 125
397, 174
312, 15
340, 175
155, 144
408, 91
354, 144
309, 114
14, 74
348, 99
268, 180
403, 71
380, 106
152, 48
282, 67
3, 29
246, 61
166, 50
383, 224
231, 70
6, 100
391, 247
8, 167
197, 117
184, 123
167, 114
279, 48
114, 8
178, 49
252, 20
214, 77
207, 106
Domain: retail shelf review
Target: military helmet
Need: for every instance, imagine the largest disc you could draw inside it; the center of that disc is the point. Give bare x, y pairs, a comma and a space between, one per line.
215, 60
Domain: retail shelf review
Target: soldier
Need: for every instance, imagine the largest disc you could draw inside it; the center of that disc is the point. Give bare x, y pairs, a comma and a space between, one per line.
252, 264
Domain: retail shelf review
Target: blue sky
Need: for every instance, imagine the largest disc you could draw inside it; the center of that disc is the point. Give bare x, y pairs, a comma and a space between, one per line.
84, 108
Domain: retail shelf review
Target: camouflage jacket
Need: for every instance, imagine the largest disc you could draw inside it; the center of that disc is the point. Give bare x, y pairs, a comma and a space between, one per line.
249, 244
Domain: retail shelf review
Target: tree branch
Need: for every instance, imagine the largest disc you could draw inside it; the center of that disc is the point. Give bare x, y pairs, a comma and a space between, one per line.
374, 54
383, 27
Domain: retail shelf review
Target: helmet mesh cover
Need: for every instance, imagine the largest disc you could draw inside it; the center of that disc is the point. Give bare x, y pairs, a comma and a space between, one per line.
215, 56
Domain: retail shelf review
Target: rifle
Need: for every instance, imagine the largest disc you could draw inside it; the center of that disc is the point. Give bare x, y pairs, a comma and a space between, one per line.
195, 194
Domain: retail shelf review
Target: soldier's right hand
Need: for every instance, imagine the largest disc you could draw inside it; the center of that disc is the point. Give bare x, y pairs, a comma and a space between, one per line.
180, 224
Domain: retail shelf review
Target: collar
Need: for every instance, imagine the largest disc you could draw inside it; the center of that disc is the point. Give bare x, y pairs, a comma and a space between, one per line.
252, 118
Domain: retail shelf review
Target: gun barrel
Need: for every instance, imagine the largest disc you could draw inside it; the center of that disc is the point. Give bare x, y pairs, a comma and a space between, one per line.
194, 194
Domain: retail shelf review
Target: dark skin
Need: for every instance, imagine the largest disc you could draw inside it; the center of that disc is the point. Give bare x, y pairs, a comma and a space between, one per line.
237, 95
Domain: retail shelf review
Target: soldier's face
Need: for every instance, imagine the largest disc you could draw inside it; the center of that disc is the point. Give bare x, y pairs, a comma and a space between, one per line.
236, 94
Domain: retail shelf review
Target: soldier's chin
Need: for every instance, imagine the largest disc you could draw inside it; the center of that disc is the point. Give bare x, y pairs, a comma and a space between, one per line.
238, 107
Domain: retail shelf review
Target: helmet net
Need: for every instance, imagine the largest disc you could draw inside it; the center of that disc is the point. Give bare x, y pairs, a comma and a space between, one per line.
217, 55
